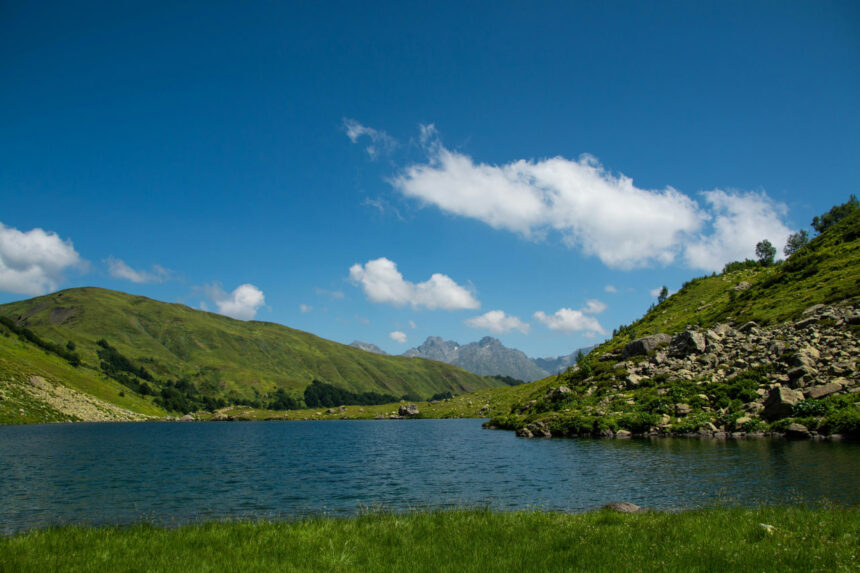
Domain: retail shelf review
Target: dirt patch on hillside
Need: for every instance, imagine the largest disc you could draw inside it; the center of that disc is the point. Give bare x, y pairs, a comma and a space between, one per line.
73, 403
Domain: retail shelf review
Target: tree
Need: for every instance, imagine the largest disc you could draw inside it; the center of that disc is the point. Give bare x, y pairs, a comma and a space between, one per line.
664, 294
765, 252
835, 214
795, 242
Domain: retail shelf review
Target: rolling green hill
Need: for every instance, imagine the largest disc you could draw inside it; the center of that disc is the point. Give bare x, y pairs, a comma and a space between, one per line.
154, 344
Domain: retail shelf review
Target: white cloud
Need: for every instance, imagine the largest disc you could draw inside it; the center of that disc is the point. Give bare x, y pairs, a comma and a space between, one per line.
119, 269
380, 142
610, 288
739, 221
398, 336
603, 214
382, 282
242, 303
383, 207
496, 321
655, 291
33, 262
412, 325
569, 320
305, 308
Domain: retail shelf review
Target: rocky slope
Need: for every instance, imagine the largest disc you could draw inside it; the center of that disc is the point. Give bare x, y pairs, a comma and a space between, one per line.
798, 378
368, 347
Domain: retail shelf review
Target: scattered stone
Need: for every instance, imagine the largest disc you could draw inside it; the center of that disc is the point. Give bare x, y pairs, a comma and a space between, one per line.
622, 507
643, 346
559, 394
780, 401
748, 327
187, 418
823, 390
686, 343
742, 286
623, 434
408, 410
797, 432
682, 409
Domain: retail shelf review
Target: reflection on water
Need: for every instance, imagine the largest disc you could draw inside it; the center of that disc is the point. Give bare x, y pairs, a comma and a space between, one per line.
172, 473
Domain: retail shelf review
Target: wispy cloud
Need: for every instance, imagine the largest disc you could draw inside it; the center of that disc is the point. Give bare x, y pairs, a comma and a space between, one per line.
379, 141
336, 294
33, 262
120, 270
497, 322
305, 308
610, 289
383, 283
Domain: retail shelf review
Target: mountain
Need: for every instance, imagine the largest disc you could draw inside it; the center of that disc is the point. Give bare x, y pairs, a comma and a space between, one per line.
489, 357
759, 349
156, 349
561, 363
368, 347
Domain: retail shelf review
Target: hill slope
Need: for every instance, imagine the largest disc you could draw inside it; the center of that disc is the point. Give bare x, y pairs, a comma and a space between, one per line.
217, 356
754, 349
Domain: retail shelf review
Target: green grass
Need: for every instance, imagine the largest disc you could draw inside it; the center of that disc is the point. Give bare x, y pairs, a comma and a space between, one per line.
716, 539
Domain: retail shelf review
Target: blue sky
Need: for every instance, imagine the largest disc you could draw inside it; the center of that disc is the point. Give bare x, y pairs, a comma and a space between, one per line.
530, 171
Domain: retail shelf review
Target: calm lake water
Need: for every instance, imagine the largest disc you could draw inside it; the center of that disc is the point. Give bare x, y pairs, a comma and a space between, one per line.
172, 473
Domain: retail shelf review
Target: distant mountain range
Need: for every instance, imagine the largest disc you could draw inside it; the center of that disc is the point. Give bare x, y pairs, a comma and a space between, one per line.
487, 357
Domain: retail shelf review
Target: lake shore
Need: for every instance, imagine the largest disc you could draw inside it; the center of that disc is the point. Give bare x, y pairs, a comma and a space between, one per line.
714, 539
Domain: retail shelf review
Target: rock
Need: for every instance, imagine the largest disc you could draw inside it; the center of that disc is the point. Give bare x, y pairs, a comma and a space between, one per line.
331, 411
623, 434
187, 418
813, 309
742, 420
824, 390
687, 342
527, 405
559, 394
524, 433
742, 286
407, 410
664, 420
622, 507
780, 401
379, 417
643, 346
797, 432
748, 327
682, 409
800, 324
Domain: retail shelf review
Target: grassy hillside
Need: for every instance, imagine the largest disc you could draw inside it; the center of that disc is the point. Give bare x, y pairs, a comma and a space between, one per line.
211, 354
725, 386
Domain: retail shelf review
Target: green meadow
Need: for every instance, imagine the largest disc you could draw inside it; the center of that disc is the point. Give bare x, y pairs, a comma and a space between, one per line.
717, 539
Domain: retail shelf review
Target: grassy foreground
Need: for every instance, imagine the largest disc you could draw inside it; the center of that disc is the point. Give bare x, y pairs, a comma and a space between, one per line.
716, 539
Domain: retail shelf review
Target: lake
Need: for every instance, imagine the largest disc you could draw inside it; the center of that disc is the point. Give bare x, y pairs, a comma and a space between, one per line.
173, 473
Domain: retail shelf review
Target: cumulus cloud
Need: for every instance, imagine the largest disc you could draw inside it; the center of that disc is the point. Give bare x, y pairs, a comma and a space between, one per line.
380, 142
496, 321
305, 308
570, 320
382, 282
242, 303
739, 222
32, 262
610, 288
603, 214
119, 269
398, 336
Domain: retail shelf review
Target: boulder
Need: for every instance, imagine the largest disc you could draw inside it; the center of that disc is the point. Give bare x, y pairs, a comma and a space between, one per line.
407, 410
623, 434
750, 326
797, 432
642, 346
622, 507
688, 342
823, 390
742, 286
560, 394
780, 401
187, 418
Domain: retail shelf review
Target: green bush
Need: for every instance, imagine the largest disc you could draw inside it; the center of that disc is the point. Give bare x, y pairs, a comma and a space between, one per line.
637, 422
846, 422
